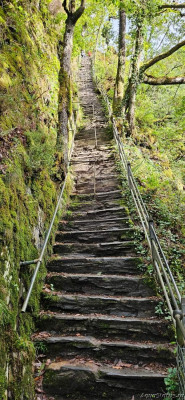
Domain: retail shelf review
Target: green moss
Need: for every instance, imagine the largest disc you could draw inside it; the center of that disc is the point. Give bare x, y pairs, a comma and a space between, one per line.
29, 69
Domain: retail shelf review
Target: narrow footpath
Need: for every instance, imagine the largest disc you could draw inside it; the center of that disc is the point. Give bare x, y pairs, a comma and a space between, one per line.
101, 332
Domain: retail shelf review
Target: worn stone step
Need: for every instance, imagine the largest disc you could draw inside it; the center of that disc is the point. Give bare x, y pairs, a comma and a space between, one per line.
86, 178
91, 141
90, 147
85, 153
103, 181
126, 351
99, 170
79, 160
103, 284
89, 187
89, 224
125, 248
114, 194
93, 205
100, 158
106, 213
68, 377
112, 305
105, 265
104, 326
90, 134
96, 236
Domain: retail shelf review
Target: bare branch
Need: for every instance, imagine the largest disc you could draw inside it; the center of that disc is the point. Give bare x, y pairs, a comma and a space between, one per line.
65, 7
77, 14
161, 56
172, 6
163, 80
72, 6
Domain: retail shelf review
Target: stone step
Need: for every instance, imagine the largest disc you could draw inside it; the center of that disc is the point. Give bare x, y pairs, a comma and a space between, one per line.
86, 177
100, 196
96, 236
105, 265
90, 147
106, 326
105, 180
91, 143
89, 224
99, 283
84, 152
79, 377
83, 188
100, 350
84, 158
101, 137
89, 132
107, 213
99, 157
125, 248
93, 204
111, 305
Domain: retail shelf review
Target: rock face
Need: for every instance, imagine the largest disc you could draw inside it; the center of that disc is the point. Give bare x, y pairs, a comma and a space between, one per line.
101, 332
55, 6
29, 87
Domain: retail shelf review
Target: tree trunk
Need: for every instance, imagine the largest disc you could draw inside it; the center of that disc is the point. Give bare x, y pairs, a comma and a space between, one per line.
97, 38
119, 84
65, 95
65, 91
130, 94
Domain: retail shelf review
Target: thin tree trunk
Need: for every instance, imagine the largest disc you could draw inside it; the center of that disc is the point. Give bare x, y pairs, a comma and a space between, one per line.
119, 84
65, 92
97, 39
130, 94
65, 95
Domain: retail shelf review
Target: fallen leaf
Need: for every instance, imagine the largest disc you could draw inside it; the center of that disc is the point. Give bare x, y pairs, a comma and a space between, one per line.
46, 290
39, 390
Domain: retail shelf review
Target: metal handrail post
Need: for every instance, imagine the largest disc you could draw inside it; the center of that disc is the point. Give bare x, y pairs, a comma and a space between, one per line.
129, 175
183, 309
180, 336
152, 238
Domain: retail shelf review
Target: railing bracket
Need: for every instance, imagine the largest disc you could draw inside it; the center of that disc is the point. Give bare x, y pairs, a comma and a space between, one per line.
179, 313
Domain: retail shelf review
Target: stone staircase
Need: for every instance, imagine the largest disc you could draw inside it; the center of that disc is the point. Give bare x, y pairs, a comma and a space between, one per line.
100, 329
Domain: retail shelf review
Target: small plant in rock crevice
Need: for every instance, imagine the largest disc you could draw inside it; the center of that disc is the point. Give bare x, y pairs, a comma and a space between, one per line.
171, 382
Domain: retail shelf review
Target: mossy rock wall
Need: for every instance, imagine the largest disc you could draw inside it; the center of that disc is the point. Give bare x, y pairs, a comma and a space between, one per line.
30, 176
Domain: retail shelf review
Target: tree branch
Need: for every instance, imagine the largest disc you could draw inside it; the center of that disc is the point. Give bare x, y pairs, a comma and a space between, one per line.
163, 80
64, 4
161, 56
77, 14
172, 6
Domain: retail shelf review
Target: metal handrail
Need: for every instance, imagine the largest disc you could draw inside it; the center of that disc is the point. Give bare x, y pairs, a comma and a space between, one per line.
38, 261
169, 287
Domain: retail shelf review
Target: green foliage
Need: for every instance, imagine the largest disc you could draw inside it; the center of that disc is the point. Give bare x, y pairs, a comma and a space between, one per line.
41, 149
107, 32
29, 86
171, 383
40, 347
